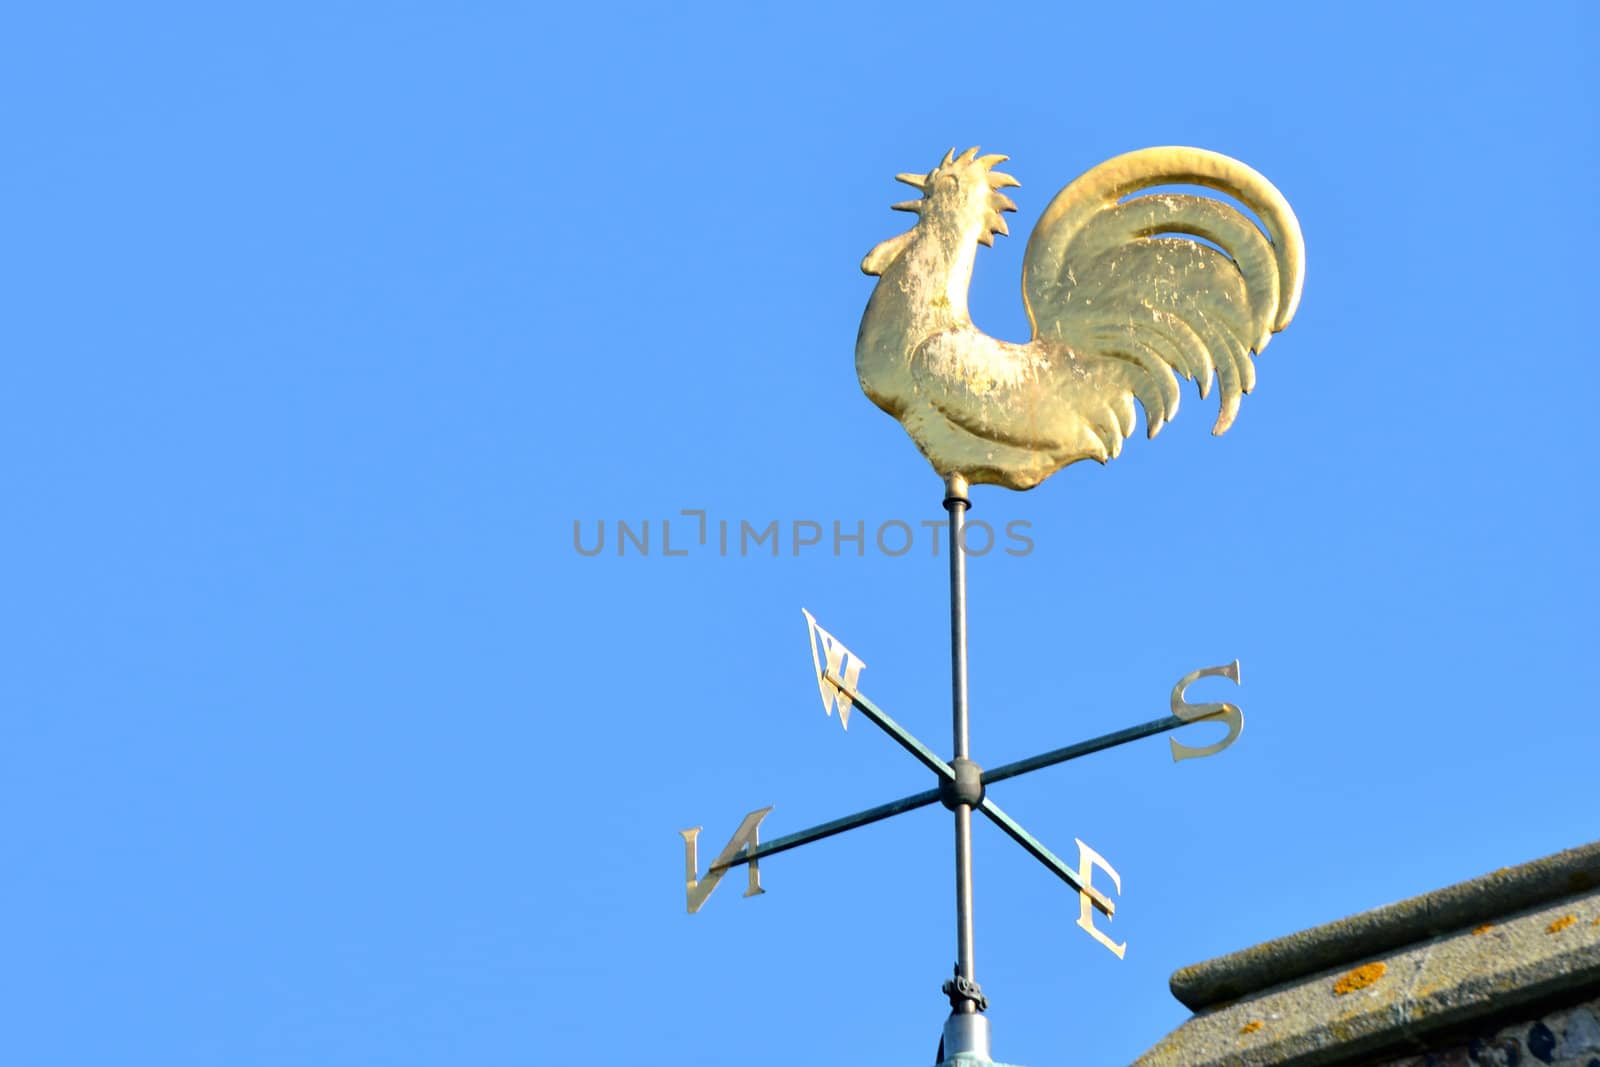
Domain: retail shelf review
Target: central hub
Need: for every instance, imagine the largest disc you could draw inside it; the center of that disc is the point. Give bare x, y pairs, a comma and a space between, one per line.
966, 789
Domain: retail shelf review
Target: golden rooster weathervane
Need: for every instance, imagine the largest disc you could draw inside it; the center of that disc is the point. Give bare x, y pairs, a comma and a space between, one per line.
1124, 292
1119, 293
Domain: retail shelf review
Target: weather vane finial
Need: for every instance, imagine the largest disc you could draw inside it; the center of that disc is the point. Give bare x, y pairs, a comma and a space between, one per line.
1124, 293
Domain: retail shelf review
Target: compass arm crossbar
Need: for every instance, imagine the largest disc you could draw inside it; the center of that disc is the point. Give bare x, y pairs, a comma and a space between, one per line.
924, 755
931, 760
1035, 848
1083, 748
928, 758
828, 829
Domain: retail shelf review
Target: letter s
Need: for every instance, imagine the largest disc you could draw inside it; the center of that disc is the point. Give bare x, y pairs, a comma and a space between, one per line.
1211, 710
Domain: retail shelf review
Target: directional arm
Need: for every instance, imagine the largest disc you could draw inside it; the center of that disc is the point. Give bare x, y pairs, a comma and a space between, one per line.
1083, 748
1035, 848
837, 826
925, 755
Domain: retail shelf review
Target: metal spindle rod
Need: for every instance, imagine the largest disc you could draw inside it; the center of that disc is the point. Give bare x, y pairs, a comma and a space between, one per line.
956, 502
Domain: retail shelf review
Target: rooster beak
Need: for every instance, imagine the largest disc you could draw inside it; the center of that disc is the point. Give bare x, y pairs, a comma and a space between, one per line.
877, 261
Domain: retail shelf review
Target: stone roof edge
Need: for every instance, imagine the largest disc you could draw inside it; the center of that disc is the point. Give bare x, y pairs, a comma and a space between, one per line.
1384, 929
1422, 998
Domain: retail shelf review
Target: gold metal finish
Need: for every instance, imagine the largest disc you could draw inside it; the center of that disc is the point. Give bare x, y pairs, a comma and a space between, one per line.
1088, 860
835, 686
1122, 294
746, 836
1214, 711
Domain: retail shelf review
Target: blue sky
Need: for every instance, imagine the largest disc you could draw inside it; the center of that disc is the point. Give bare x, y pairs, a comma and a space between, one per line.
325, 323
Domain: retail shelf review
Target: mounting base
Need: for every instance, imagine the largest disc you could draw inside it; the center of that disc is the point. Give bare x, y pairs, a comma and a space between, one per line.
966, 1034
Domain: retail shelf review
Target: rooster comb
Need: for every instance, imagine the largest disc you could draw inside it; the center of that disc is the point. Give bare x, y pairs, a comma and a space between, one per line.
968, 162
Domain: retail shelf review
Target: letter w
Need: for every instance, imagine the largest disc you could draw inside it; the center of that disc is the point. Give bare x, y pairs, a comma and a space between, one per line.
700, 888
828, 666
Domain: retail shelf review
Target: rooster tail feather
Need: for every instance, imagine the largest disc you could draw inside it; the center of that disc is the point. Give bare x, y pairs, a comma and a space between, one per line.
1144, 288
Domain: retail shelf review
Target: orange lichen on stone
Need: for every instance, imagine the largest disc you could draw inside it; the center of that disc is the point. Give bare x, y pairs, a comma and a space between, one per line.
1251, 1027
1561, 924
1485, 928
1360, 978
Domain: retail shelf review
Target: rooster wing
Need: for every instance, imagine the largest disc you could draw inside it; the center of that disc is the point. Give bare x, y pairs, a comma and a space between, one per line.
1124, 286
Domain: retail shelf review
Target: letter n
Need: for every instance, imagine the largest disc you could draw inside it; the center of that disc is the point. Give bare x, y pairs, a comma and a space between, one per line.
746, 836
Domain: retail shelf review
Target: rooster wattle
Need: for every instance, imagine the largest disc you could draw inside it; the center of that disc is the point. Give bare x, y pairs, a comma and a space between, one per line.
1120, 295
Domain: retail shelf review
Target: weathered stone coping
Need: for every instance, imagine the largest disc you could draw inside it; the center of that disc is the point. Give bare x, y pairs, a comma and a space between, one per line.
1407, 1001
1393, 926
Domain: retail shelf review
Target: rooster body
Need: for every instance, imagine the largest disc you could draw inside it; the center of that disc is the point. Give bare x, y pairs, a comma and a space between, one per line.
1120, 296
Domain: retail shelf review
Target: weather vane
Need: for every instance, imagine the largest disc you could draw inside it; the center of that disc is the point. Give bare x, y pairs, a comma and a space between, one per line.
1124, 292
